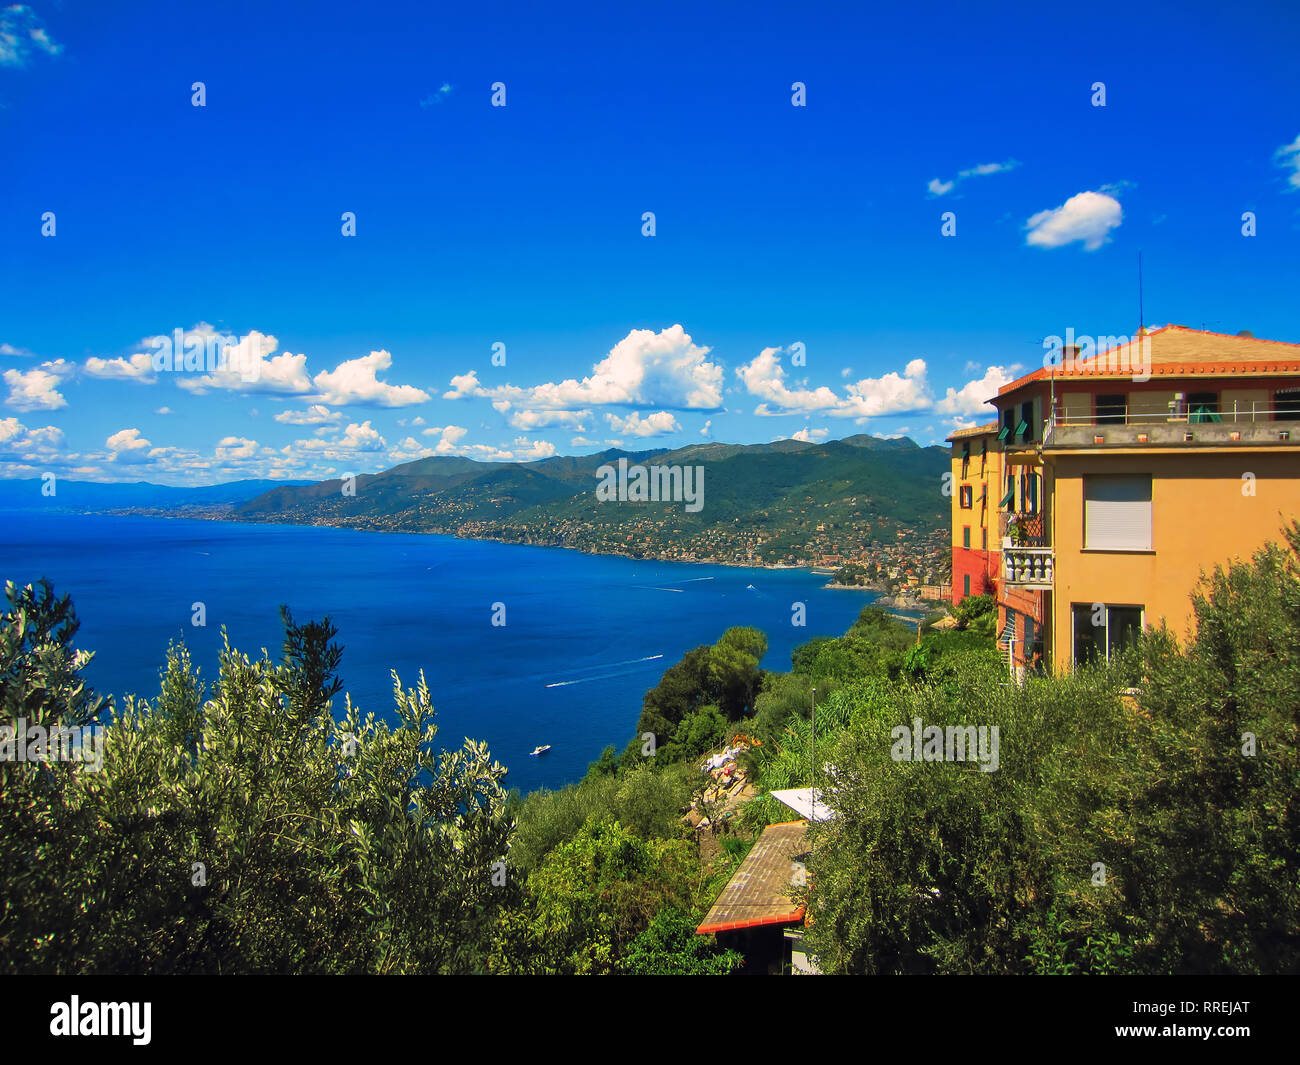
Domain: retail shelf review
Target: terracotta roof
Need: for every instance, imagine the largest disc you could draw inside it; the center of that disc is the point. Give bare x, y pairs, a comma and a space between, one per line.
759, 892
974, 430
1177, 351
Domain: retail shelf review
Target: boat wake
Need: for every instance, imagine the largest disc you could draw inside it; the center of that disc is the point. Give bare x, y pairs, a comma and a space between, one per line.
603, 676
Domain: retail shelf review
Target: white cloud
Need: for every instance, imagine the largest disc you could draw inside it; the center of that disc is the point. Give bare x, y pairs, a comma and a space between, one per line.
942, 188
532, 420
1088, 217
164, 410
644, 369
250, 366
450, 437
22, 35
582, 441
362, 438
810, 436
444, 90
127, 445
235, 447
660, 423
37, 389
139, 367
357, 381
316, 414
127, 440
972, 399
9, 349
708, 424
765, 377
29, 445
535, 449
1288, 157
357, 440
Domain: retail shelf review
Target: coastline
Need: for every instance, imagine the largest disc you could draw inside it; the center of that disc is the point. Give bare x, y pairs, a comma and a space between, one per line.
208, 516
884, 599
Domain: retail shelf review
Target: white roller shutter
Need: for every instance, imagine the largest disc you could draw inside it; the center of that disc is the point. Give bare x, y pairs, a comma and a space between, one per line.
1117, 512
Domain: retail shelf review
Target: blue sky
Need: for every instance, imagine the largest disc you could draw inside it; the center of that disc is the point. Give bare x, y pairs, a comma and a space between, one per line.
775, 225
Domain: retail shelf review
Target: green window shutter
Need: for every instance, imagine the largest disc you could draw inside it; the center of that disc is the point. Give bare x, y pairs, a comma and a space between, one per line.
1005, 432
1008, 498
1021, 430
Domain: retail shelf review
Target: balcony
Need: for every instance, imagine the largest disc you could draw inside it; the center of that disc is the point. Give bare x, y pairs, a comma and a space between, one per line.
1027, 567
1027, 530
1233, 428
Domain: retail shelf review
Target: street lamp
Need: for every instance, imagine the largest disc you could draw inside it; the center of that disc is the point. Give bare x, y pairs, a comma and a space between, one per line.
812, 775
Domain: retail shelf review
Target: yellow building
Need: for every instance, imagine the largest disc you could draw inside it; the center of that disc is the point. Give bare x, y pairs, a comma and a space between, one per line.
1129, 473
975, 484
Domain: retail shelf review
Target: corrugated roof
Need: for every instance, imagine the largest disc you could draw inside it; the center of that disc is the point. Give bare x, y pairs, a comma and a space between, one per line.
1177, 351
759, 892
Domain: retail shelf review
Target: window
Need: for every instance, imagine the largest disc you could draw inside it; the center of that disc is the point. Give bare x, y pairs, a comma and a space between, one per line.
965, 536
1112, 410
984, 539
967, 496
965, 585
1010, 497
1117, 512
965, 458
1025, 430
1103, 631
1203, 407
984, 455
1286, 404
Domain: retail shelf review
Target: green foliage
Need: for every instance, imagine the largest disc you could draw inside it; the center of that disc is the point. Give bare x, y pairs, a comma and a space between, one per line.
250, 832
698, 732
1120, 833
725, 676
40, 671
978, 614
876, 645
592, 897
670, 947
975, 606
647, 799
783, 696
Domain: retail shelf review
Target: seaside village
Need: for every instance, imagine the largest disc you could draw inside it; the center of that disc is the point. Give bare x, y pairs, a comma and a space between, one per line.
1087, 510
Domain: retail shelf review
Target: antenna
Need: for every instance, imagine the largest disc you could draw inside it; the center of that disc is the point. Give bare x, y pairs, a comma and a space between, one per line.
1141, 318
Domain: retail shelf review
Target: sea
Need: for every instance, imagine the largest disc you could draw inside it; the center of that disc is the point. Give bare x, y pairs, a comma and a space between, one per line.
584, 636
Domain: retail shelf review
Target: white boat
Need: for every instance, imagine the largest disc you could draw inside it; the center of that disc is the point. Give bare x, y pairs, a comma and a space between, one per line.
539, 750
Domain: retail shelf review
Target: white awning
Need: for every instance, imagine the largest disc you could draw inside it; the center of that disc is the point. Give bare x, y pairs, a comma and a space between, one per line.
806, 802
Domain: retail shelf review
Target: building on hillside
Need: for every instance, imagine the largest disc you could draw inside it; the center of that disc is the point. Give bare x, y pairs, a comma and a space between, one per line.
758, 912
976, 477
1123, 477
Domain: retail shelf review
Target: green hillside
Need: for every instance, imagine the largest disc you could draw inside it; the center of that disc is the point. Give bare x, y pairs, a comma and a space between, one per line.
781, 502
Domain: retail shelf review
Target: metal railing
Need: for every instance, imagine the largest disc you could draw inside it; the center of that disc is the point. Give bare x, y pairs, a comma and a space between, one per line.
1195, 416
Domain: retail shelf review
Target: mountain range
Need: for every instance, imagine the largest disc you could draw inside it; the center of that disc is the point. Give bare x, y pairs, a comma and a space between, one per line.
772, 497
